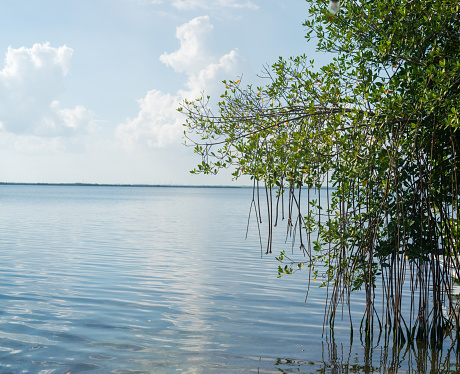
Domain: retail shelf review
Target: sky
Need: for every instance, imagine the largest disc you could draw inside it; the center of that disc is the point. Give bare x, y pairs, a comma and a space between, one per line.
89, 88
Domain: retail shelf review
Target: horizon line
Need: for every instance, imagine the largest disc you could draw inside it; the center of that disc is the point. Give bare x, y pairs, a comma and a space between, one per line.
78, 184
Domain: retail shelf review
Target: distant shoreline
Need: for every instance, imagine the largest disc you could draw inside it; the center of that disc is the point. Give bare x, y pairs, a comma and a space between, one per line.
115, 185
130, 185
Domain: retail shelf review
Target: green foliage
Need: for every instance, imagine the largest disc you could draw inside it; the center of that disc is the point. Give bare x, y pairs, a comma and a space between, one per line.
379, 125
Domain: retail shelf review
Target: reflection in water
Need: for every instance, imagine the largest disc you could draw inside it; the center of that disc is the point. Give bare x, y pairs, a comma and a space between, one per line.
383, 357
386, 357
130, 280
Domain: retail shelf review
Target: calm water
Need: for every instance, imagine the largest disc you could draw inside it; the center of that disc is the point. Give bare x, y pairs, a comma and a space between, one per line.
158, 280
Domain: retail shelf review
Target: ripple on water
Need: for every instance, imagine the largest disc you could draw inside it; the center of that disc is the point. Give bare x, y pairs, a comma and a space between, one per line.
144, 280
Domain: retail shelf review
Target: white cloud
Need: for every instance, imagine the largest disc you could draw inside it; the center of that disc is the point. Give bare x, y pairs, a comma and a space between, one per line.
39, 57
158, 123
212, 4
30, 82
211, 75
192, 54
67, 121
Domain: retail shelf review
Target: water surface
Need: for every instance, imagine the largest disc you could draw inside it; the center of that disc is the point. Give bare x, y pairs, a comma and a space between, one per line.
153, 280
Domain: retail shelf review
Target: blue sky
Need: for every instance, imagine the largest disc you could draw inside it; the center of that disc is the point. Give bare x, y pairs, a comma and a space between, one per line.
89, 88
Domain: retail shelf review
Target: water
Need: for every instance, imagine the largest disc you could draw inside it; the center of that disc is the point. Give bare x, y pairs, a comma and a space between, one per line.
155, 280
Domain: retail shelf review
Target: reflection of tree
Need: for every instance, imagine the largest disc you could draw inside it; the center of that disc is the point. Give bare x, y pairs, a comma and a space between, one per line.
385, 357
380, 357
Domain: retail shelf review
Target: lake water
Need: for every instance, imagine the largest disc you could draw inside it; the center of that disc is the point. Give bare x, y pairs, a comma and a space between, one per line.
161, 280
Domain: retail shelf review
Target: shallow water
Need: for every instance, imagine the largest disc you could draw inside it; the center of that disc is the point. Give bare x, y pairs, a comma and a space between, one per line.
154, 280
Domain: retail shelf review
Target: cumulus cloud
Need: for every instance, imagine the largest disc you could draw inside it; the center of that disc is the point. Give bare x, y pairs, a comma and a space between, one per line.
211, 75
30, 82
192, 55
158, 123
